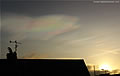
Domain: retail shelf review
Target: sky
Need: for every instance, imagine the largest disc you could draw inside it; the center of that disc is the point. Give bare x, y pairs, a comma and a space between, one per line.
62, 29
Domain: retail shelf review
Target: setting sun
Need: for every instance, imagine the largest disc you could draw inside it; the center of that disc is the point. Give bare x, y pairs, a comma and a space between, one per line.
105, 67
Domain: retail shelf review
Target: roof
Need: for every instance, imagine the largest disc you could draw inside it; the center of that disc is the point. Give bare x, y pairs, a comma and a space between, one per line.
45, 67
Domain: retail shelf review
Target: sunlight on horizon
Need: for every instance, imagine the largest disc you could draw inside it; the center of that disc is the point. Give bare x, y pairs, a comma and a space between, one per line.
105, 67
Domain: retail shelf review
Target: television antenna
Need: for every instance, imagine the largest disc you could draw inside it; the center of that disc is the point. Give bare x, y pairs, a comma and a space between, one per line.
16, 44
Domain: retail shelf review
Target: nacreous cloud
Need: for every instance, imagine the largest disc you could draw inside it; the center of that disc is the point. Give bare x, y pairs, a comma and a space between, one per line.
43, 27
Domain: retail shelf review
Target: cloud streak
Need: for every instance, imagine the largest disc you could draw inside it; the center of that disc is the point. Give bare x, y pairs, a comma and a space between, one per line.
114, 51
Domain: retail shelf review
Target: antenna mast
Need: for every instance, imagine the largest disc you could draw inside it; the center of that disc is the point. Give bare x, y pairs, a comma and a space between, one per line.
94, 70
16, 44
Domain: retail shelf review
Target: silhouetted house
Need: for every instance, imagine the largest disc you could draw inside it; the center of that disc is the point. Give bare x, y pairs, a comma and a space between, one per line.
44, 67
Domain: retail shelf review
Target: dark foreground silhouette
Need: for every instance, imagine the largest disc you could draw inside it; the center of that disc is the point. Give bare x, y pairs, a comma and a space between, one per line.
43, 67
11, 55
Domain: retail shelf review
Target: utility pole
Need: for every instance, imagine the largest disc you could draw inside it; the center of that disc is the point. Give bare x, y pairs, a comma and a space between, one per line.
16, 44
94, 70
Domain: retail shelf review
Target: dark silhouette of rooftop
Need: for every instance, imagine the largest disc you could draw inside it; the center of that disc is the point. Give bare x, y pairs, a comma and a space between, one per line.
44, 67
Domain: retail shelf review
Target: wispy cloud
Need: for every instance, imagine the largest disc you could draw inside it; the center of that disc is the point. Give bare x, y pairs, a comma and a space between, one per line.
113, 51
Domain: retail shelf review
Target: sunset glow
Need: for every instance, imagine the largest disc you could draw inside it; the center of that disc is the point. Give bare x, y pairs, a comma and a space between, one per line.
63, 29
105, 67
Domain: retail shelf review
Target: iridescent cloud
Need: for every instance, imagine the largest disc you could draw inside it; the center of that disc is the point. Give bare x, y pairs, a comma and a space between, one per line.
43, 27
